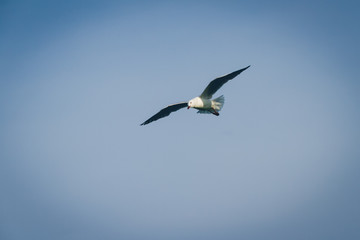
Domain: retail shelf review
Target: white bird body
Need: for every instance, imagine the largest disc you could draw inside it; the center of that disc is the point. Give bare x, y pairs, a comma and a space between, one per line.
203, 103
200, 103
207, 105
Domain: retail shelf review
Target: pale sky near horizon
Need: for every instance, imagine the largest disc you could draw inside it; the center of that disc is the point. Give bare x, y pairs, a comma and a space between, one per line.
280, 162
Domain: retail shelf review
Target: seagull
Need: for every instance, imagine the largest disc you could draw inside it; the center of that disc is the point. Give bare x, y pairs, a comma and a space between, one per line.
203, 103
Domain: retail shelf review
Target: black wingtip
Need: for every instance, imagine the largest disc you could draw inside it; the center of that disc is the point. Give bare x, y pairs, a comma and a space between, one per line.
241, 70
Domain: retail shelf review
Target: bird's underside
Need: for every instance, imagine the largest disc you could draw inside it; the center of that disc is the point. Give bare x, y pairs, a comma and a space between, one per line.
203, 103
208, 111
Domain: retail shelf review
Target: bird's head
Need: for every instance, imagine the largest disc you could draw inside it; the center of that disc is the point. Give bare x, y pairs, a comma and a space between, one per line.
190, 104
195, 102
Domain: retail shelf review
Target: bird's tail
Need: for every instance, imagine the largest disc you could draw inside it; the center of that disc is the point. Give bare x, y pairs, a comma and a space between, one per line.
218, 103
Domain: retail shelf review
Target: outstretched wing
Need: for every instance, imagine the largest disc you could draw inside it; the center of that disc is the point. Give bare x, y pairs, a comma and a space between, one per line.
165, 112
217, 83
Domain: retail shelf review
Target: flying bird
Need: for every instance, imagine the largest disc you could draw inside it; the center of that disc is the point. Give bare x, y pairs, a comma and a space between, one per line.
203, 103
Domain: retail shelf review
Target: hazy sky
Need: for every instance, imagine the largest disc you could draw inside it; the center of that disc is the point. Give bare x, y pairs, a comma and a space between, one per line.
280, 162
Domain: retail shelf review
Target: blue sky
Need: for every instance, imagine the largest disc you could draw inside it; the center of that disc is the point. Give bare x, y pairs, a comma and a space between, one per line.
78, 77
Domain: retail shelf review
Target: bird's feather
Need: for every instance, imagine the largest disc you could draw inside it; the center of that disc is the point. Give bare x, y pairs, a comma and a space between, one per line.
218, 103
217, 83
165, 112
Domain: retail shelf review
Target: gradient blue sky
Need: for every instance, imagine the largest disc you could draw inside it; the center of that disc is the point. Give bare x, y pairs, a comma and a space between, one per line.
280, 162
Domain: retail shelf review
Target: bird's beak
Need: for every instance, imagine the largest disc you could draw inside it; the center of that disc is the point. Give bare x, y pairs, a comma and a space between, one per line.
188, 107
